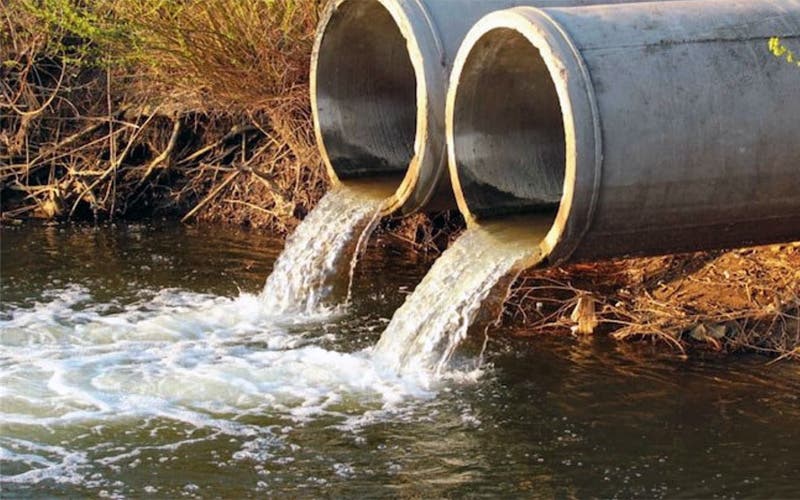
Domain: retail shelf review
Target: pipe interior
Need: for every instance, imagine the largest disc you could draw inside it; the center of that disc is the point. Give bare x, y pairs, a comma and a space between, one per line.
508, 129
366, 93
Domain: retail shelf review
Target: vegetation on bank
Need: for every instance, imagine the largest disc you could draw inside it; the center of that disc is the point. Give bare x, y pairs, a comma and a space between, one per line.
745, 300
199, 108
122, 109
781, 51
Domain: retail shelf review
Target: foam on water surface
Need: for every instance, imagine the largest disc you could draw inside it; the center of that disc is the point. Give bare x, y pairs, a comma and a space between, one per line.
204, 361
118, 387
196, 360
177, 350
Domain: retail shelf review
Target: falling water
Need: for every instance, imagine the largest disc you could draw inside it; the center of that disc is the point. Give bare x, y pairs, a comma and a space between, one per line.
424, 333
318, 255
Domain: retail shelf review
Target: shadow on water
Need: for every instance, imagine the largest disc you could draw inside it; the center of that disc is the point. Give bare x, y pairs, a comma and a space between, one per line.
548, 417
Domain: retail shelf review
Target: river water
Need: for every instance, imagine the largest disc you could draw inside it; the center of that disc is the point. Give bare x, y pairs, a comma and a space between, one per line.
140, 360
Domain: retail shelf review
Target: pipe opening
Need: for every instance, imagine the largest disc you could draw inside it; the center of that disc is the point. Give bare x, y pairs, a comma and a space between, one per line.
508, 130
366, 94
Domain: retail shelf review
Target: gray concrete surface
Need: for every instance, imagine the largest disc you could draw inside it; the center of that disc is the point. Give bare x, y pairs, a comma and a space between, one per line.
642, 128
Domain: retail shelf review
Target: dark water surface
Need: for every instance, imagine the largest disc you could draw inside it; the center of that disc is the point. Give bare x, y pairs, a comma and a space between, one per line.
136, 362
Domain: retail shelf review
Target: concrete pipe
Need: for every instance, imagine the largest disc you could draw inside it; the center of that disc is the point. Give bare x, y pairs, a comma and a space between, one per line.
379, 74
635, 129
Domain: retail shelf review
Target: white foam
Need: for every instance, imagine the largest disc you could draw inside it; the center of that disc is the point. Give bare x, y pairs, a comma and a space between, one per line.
53, 463
210, 362
200, 360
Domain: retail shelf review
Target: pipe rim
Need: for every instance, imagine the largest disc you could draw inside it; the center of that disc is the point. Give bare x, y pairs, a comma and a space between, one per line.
424, 51
575, 91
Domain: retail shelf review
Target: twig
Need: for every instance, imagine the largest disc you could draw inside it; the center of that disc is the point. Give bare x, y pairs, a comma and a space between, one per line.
200, 152
26, 114
114, 166
251, 205
164, 156
211, 195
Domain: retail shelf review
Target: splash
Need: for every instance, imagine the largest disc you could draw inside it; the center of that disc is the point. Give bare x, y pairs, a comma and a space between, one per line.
174, 354
175, 360
425, 332
322, 251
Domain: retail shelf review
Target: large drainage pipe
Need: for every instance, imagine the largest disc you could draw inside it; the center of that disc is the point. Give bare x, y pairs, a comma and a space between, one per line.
635, 129
379, 75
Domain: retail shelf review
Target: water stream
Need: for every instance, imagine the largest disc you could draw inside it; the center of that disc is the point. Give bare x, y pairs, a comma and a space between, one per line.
326, 244
425, 332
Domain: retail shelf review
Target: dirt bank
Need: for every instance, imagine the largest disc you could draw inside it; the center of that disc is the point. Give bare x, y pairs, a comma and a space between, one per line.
741, 300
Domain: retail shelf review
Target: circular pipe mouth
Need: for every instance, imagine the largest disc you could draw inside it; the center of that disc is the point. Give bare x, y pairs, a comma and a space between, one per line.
521, 130
368, 97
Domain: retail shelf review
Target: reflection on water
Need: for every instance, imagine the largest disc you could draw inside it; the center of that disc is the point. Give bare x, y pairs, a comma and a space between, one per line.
136, 360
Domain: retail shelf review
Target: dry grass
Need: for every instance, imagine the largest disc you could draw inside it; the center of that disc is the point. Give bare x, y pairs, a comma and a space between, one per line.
426, 234
123, 108
743, 300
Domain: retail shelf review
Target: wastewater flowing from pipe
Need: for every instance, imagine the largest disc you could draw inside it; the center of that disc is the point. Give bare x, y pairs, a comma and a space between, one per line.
207, 365
323, 250
480, 265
